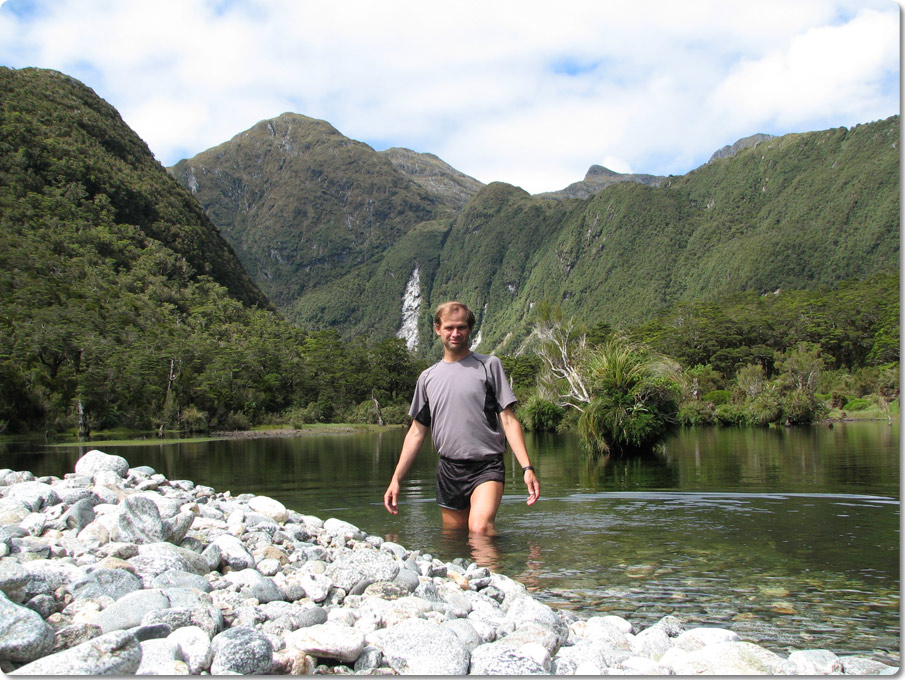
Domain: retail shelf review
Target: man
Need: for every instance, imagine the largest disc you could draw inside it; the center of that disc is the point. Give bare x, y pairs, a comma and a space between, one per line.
466, 402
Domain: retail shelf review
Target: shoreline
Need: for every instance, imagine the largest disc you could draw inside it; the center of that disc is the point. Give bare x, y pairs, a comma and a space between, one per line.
114, 569
319, 429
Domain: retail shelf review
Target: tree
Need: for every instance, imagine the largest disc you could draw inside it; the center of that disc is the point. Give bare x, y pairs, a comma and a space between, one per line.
563, 351
626, 392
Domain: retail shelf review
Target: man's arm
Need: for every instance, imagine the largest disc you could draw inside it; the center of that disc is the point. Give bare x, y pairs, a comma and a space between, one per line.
516, 438
411, 445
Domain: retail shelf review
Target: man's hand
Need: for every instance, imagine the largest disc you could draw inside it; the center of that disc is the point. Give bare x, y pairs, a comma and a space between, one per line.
533, 486
410, 447
391, 498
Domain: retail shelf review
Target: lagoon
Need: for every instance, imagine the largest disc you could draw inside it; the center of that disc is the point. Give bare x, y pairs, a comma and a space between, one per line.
789, 536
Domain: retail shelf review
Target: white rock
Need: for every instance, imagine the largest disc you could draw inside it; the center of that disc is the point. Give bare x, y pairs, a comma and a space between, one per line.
94, 461
269, 507
194, 647
696, 638
327, 640
160, 657
419, 647
337, 527
731, 658
815, 662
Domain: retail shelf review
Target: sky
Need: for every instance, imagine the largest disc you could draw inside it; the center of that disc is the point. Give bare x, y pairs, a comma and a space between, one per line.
520, 91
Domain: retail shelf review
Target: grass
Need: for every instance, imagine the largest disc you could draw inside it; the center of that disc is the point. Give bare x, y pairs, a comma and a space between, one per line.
872, 412
123, 437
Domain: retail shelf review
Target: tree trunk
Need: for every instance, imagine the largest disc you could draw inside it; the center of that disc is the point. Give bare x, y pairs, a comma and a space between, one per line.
84, 431
380, 420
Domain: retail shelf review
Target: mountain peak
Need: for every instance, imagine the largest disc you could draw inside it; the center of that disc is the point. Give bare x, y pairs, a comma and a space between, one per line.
731, 149
434, 175
596, 180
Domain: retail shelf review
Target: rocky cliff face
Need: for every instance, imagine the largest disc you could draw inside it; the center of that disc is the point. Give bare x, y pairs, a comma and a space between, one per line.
596, 180
730, 150
452, 187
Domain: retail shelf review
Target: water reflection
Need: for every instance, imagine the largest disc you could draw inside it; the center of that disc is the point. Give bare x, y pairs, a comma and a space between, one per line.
483, 549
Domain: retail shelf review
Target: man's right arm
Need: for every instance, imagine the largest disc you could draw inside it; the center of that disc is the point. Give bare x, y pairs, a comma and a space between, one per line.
414, 438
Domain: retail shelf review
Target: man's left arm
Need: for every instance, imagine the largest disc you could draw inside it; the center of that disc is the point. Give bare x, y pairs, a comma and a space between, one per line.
516, 438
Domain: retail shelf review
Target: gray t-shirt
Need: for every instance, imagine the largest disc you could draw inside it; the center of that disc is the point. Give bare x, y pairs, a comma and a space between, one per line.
460, 401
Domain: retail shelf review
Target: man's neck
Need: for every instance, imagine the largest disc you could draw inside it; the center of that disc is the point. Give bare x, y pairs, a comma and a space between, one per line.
452, 357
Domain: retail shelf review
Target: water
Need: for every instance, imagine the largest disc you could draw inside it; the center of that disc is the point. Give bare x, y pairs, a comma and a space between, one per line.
790, 537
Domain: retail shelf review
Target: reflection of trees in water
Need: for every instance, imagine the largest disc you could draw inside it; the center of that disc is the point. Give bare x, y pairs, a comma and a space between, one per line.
640, 469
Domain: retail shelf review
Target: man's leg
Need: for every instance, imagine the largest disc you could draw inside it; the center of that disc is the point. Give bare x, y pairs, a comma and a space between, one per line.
454, 519
485, 501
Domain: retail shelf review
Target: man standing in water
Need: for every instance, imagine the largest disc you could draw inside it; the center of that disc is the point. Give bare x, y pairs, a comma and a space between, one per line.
466, 403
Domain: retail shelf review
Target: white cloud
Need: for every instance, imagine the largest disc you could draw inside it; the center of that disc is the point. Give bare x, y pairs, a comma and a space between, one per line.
828, 71
526, 92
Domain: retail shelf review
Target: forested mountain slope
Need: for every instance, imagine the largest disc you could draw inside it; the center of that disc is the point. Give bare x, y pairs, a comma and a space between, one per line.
303, 205
330, 229
117, 293
797, 211
64, 147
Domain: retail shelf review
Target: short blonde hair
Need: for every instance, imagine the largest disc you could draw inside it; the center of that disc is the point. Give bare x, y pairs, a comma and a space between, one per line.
449, 308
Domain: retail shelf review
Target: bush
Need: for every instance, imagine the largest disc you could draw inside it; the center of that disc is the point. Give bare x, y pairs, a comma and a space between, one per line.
695, 413
396, 414
858, 404
799, 408
236, 420
717, 397
732, 414
765, 408
193, 419
299, 417
540, 415
364, 413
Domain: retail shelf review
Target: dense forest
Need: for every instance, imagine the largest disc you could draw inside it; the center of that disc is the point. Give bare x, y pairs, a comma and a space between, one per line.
122, 305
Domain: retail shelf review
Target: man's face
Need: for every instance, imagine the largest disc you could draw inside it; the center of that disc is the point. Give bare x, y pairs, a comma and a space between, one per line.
454, 331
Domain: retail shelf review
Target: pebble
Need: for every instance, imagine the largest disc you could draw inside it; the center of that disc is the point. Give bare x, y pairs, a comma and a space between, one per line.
114, 570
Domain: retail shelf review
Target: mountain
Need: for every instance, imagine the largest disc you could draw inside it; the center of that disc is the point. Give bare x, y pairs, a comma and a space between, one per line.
434, 175
120, 302
597, 179
54, 129
796, 211
730, 150
304, 205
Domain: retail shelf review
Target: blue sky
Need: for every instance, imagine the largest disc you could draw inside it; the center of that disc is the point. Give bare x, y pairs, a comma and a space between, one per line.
521, 91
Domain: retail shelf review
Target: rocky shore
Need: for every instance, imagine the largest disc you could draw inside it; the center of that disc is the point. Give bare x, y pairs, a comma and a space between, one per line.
117, 570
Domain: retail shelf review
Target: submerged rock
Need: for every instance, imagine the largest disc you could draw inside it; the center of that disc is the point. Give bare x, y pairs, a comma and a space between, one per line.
117, 571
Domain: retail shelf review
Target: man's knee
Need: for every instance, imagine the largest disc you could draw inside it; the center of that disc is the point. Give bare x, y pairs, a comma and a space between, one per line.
480, 525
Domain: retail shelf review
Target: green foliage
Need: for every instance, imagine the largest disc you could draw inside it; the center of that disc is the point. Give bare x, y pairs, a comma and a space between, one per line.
858, 404
540, 415
717, 397
692, 413
117, 293
635, 394
522, 370
731, 414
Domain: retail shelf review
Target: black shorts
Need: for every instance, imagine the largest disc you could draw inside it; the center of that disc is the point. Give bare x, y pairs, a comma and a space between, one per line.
457, 479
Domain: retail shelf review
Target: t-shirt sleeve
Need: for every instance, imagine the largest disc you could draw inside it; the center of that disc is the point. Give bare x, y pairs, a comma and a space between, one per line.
504, 394
420, 408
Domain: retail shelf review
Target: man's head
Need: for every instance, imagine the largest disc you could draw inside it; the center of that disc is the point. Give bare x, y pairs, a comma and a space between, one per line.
453, 323
452, 307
